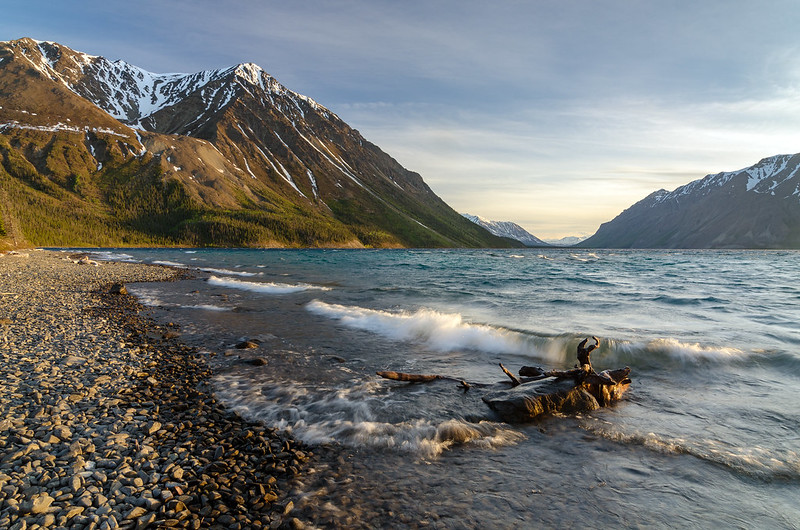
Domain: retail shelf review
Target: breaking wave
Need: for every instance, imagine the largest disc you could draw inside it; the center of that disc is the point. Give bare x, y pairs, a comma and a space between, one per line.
658, 352
265, 288
169, 264
440, 331
226, 271
447, 332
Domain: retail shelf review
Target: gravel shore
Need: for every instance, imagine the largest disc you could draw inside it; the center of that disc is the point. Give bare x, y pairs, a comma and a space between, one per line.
106, 419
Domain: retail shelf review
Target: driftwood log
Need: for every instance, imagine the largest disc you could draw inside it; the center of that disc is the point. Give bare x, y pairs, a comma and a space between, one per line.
540, 392
413, 378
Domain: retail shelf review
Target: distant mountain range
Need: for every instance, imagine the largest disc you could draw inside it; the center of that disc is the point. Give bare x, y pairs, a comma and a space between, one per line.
99, 152
755, 207
507, 229
565, 241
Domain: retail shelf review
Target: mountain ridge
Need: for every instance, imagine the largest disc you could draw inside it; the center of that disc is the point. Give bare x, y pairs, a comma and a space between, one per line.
754, 207
253, 163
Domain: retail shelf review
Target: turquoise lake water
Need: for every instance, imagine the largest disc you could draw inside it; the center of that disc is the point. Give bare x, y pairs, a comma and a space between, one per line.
707, 435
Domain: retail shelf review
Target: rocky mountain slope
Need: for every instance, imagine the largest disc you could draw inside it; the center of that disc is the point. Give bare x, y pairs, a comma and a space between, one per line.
755, 207
96, 152
508, 230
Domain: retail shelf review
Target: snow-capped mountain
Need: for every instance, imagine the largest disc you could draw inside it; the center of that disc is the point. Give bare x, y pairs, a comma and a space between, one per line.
507, 229
233, 140
135, 96
754, 207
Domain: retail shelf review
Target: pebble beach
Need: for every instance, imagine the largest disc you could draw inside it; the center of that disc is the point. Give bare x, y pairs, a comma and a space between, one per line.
107, 420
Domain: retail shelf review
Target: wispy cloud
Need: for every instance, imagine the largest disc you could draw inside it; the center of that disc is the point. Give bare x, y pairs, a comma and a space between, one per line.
610, 153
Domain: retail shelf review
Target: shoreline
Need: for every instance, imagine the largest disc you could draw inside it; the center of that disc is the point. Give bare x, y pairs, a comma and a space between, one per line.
110, 421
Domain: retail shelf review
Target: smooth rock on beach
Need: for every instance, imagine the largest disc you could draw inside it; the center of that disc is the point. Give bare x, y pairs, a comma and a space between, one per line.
107, 420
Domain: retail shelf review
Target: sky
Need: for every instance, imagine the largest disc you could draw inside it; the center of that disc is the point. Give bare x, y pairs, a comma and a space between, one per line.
554, 114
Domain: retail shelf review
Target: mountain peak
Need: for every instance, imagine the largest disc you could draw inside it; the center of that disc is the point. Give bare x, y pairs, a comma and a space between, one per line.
250, 72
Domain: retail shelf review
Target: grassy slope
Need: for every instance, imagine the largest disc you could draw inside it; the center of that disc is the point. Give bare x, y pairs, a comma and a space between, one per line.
54, 195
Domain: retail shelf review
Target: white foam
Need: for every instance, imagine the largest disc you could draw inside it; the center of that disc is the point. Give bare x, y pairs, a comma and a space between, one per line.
205, 307
169, 264
226, 271
149, 298
586, 258
684, 352
439, 331
691, 351
318, 415
265, 288
106, 255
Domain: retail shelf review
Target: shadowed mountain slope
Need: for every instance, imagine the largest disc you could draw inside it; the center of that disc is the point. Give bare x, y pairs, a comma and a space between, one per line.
755, 207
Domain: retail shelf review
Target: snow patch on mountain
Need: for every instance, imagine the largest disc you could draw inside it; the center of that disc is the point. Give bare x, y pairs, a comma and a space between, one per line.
507, 229
58, 127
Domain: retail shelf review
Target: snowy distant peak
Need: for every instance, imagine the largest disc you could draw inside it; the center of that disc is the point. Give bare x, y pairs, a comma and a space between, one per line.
566, 241
507, 229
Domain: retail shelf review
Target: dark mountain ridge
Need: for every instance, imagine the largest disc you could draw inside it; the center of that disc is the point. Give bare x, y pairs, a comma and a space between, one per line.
755, 207
226, 157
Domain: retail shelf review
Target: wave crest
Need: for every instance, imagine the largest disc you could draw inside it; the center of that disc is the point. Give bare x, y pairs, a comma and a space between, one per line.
443, 332
659, 352
226, 271
265, 287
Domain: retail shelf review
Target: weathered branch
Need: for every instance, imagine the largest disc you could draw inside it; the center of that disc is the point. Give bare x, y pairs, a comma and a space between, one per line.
413, 378
514, 380
427, 378
565, 374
